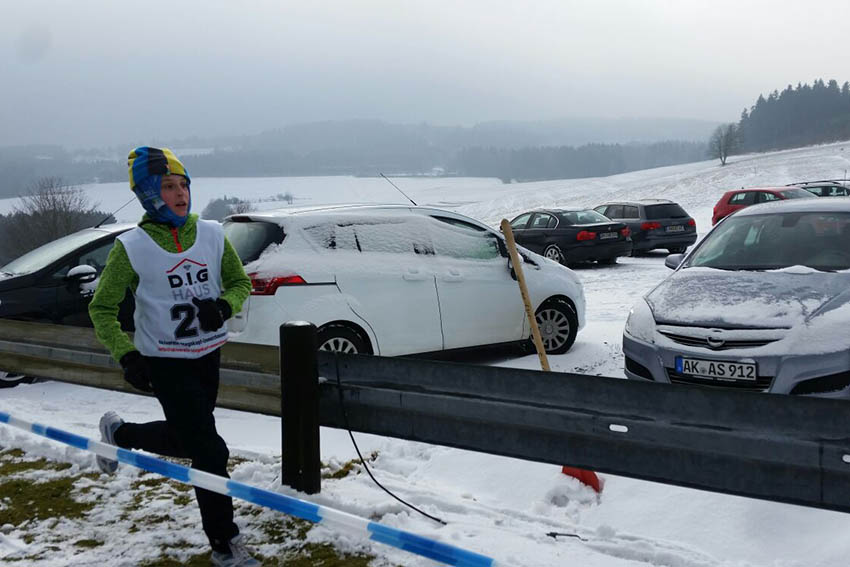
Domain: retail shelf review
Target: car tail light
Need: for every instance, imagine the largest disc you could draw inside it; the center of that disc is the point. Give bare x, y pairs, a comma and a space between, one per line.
692, 222
585, 235
268, 286
625, 232
650, 225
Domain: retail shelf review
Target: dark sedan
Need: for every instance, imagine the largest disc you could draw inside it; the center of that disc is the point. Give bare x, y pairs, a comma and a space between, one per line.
572, 235
54, 283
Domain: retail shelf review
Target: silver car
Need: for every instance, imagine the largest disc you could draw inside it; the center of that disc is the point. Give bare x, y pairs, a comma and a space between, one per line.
761, 304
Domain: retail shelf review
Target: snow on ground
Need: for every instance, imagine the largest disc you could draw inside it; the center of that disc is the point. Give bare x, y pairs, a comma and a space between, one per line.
498, 506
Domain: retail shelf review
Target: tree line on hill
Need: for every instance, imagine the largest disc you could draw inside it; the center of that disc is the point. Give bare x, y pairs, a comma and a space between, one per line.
797, 116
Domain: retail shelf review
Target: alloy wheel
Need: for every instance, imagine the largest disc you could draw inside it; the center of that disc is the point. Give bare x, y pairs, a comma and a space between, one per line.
553, 253
339, 344
554, 328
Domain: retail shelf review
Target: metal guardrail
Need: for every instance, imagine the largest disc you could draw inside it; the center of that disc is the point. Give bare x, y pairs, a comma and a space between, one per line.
782, 448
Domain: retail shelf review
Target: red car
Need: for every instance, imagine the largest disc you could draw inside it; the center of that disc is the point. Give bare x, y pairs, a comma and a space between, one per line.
731, 201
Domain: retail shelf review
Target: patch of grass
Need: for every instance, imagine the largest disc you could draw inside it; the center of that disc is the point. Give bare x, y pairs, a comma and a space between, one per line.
153, 482
325, 555
11, 467
344, 471
183, 500
348, 467
200, 560
27, 500
285, 529
88, 543
156, 519
14, 453
234, 462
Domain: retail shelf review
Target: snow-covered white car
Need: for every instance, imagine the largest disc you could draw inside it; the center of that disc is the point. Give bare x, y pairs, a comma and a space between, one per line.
761, 304
394, 280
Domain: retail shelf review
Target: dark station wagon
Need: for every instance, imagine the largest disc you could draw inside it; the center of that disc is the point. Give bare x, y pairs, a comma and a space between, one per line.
654, 223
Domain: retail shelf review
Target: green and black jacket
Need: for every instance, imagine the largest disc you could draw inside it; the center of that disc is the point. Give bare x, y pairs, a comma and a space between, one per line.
118, 275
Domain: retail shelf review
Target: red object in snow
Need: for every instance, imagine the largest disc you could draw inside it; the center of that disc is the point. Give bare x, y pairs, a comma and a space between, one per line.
586, 477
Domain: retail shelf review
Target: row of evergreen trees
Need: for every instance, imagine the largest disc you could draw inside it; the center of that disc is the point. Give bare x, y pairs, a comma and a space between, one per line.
797, 116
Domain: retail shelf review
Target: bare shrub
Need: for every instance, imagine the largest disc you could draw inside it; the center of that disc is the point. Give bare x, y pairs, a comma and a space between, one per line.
51, 209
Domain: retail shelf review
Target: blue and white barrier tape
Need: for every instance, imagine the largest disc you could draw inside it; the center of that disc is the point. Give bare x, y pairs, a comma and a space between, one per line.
337, 519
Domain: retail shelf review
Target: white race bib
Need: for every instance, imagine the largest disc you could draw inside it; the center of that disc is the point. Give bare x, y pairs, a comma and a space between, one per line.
166, 319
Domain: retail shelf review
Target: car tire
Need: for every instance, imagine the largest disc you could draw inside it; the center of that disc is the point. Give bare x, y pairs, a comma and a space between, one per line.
553, 252
677, 250
10, 379
558, 324
337, 337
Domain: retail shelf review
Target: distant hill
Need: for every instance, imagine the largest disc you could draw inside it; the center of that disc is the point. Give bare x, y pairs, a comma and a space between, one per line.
352, 147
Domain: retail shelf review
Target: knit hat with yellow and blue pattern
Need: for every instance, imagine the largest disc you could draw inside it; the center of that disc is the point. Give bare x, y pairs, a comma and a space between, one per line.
147, 166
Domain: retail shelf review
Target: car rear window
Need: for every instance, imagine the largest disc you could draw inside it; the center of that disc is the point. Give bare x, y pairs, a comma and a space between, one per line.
665, 211
583, 217
250, 237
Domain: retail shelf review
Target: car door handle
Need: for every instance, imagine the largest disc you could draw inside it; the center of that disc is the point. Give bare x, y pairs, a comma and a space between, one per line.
415, 275
453, 276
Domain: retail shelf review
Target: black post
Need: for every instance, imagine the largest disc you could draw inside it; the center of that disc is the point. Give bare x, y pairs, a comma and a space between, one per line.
299, 405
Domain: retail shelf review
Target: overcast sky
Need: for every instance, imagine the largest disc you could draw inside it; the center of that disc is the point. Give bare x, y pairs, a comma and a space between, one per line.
101, 72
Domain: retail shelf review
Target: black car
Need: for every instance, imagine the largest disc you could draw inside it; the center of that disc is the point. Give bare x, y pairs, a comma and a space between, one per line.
55, 282
572, 235
825, 188
654, 223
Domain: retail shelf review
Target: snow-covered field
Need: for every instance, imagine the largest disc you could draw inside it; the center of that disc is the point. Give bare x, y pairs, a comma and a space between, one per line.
497, 506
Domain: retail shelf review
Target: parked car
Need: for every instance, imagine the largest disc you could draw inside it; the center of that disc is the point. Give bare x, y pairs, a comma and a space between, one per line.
825, 188
395, 280
572, 235
737, 199
54, 283
761, 304
654, 223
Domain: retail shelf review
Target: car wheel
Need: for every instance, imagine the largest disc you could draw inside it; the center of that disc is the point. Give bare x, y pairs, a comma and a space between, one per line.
554, 253
10, 379
558, 325
341, 338
677, 250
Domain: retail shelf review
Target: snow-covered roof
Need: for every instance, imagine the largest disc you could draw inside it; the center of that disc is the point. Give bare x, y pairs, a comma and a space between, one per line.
813, 205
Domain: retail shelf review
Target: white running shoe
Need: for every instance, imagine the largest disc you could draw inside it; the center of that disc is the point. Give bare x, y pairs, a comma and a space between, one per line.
109, 423
239, 555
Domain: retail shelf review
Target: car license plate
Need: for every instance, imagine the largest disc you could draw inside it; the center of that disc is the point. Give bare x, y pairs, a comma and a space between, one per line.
606, 235
717, 369
675, 228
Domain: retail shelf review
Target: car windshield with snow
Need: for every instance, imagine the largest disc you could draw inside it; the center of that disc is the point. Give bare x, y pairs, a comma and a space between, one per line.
395, 280
54, 283
761, 304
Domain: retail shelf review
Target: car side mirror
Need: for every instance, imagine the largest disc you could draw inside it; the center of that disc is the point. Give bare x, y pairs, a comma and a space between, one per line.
81, 274
674, 260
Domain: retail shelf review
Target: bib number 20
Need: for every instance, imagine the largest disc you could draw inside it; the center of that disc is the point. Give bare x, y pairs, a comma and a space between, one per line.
185, 313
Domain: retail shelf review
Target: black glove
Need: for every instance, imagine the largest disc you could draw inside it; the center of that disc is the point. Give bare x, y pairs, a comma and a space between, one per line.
212, 313
136, 371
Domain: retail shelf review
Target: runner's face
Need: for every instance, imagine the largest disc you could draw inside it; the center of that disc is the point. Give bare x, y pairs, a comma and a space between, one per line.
175, 192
